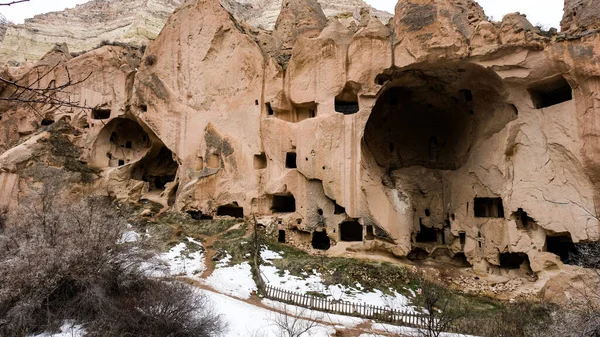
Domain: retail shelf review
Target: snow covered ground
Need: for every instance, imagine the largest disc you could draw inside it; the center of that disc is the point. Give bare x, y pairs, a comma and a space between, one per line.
184, 259
246, 320
313, 282
233, 280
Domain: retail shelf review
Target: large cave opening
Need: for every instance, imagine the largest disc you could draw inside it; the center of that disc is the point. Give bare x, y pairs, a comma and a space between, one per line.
157, 168
121, 141
431, 115
427, 120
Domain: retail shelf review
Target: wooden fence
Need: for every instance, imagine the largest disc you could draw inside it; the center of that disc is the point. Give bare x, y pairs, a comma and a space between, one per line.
363, 310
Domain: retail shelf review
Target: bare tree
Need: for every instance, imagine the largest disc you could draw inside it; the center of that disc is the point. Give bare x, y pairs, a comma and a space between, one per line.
292, 324
33, 94
440, 317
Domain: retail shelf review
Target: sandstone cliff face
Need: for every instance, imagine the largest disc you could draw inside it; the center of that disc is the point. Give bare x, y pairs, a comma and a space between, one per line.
443, 134
85, 27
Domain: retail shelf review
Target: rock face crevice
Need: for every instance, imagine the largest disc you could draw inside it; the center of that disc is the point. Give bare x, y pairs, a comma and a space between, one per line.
441, 133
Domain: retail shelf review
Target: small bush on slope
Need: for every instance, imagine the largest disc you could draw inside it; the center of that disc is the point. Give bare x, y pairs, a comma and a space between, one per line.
63, 261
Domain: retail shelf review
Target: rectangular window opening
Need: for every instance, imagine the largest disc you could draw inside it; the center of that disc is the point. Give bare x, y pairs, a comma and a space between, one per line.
550, 92
98, 113
290, 160
488, 208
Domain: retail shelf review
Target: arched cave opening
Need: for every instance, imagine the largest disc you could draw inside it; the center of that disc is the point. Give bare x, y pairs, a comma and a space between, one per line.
563, 246
157, 168
121, 141
513, 260
351, 231
426, 234
320, 240
431, 115
417, 254
347, 101
232, 210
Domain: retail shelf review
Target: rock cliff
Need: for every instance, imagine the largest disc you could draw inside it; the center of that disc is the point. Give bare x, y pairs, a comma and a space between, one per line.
85, 27
441, 133
132, 21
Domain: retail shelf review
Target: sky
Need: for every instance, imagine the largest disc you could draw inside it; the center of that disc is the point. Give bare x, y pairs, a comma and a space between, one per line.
545, 12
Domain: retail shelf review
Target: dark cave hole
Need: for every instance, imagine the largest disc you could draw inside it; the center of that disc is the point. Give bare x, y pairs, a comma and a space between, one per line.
320, 240
351, 231
417, 254
99, 113
197, 215
281, 236
426, 235
157, 168
550, 92
232, 210
513, 260
283, 204
563, 246
290, 160
421, 122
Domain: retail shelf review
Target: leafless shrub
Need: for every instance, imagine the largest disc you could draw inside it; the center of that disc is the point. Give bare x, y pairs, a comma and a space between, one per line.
440, 316
63, 261
290, 323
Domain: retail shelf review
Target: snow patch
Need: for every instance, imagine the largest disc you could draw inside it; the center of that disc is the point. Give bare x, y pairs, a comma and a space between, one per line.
68, 329
247, 320
178, 261
233, 280
314, 283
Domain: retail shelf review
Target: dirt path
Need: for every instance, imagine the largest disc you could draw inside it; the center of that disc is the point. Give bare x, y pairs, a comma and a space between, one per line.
210, 251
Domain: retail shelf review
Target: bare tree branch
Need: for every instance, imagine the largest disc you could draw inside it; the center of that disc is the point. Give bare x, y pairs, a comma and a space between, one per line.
13, 2
53, 95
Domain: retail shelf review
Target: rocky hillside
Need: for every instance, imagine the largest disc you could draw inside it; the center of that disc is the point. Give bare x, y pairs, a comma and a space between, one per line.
85, 26
263, 13
132, 21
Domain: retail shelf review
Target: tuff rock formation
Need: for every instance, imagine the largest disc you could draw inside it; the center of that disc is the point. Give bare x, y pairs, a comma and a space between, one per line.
134, 22
440, 134
85, 27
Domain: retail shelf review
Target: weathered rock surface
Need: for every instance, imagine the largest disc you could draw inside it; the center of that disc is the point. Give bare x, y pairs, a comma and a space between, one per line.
440, 134
84, 27
580, 15
264, 13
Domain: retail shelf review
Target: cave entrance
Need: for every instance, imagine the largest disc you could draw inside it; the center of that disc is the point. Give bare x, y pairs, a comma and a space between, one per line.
320, 240
563, 246
431, 115
285, 203
513, 260
347, 101
281, 236
351, 231
232, 210
158, 168
426, 235
121, 141
550, 92
198, 215
522, 219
